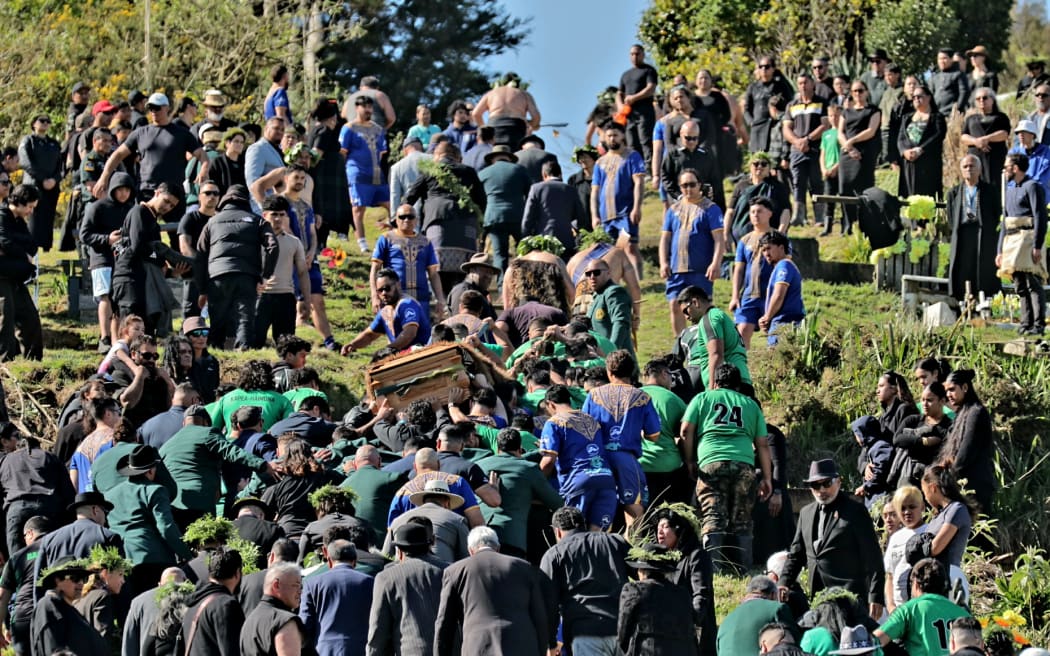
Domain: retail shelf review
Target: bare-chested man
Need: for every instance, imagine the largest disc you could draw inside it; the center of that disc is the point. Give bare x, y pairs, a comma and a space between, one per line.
512, 111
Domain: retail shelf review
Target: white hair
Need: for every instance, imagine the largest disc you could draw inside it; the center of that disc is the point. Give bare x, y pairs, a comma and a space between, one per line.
278, 571
480, 537
775, 563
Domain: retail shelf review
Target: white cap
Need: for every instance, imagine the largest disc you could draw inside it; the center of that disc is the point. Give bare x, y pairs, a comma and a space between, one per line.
157, 100
1026, 125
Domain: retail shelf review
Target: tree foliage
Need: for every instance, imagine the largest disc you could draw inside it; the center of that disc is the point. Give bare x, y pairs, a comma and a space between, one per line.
1029, 35
426, 51
912, 30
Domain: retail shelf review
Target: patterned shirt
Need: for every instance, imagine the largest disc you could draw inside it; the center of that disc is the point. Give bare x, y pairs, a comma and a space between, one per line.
575, 439
625, 413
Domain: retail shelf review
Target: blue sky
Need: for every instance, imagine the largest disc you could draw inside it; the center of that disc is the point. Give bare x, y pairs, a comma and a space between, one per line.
574, 50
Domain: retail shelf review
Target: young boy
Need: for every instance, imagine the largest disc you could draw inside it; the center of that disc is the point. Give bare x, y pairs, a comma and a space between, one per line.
829, 164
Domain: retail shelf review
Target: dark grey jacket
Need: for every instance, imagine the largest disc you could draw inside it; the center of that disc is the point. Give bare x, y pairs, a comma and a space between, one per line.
235, 241
103, 217
950, 88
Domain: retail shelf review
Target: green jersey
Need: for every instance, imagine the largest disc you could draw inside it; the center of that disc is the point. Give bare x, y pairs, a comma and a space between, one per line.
727, 423
922, 623
300, 394
274, 407
662, 455
716, 324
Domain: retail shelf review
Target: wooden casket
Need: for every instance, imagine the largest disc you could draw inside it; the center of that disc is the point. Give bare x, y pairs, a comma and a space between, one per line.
423, 374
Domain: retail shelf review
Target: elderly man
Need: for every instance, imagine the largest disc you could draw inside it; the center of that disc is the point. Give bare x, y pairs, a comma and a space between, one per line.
401, 318
435, 504
506, 185
835, 540
336, 605
553, 208
375, 488
974, 208
273, 627
738, 634
496, 601
480, 272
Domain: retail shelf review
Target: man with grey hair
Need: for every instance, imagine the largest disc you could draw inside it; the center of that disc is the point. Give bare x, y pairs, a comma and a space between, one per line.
506, 612
796, 599
336, 605
739, 631
253, 586
143, 612
273, 627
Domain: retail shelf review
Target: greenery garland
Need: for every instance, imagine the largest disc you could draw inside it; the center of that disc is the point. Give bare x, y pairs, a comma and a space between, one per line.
249, 552
448, 181
209, 529
686, 512
589, 238
835, 593
540, 243
109, 559
82, 564
171, 587
646, 556
330, 491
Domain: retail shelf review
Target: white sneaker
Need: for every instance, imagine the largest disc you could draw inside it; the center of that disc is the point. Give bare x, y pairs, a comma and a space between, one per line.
363, 244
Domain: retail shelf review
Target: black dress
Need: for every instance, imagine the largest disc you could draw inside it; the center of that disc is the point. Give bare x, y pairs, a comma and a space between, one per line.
331, 192
856, 175
981, 125
923, 175
655, 620
974, 221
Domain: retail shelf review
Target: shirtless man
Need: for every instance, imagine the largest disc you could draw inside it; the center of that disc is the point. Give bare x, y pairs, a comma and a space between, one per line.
512, 111
620, 271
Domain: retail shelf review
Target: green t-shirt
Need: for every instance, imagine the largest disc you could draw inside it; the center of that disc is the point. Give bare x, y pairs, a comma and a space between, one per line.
531, 400
727, 422
605, 344
487, 436
948, 412
274, 407
716, 324
922, 623
300, 394
829, 147
662, 455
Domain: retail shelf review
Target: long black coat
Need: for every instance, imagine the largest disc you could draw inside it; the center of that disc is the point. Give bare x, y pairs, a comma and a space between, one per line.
849, 556
971, 448
923, 175
500, 605
58, 625
973, 242
655, 620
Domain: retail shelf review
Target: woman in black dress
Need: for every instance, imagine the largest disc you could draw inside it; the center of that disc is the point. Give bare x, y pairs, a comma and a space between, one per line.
921, 143
290, 497
331, 193
860, 139
40, 157
986, 134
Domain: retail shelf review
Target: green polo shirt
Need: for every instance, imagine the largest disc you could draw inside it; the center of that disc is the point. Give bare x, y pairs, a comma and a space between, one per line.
662, 455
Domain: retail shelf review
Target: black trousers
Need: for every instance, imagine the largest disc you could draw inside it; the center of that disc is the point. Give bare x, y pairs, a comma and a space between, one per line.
276, 310
640, 124
20, 330
42, 223
508, 131
1033, 300
231, 308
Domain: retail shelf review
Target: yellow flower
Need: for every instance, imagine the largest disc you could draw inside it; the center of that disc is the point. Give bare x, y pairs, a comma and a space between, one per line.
1014, 618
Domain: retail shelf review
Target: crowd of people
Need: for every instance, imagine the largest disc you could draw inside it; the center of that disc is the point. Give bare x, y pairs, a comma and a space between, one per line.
567, 496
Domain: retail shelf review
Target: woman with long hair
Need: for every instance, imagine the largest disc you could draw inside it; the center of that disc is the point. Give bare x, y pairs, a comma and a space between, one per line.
302, 474
954, 513
970, 447
986, 134
921, 144
919, 438
833, 609
164, 635
676, 529
861, 139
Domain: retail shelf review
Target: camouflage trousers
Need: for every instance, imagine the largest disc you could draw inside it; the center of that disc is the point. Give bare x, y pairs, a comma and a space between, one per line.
726, 492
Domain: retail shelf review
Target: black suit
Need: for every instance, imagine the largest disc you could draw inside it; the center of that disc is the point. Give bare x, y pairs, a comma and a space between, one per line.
499, 603
847, 556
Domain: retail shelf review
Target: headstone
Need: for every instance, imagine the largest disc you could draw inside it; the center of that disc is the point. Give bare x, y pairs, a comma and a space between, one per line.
938, 315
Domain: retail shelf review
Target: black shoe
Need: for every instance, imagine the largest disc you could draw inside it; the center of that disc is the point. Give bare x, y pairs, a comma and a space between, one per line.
826, 232
104, 344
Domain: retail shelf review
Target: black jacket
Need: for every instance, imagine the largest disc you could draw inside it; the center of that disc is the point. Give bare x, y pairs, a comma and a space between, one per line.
314, 430
655, 620
103, 217
219, 623
848, 556
703, 162
17, 245
138, 237
58, 625
235, 241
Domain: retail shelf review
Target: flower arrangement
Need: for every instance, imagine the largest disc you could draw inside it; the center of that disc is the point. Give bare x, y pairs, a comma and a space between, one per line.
1005, 627
334, 257
920, 208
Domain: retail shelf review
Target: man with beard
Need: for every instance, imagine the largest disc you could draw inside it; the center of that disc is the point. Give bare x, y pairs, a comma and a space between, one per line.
769, 87
100, 232
147, 388
363, 143
402, 319
616, 192
236, 251
190, 227
264, 163
214, 114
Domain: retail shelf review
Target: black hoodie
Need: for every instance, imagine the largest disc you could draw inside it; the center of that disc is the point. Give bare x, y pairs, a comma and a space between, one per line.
235, 241
103, 217
218, 631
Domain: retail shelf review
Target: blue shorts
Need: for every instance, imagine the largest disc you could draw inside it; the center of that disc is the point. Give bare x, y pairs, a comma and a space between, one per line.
368, 195
750, 311
616, 226
316, 281
631, 487
679, 281
596, 500
101, 282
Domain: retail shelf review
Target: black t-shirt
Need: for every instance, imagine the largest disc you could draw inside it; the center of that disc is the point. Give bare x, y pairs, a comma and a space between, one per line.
519, 318
162, 150
453, 463
18, 578
154, 400
192, 224
635, 79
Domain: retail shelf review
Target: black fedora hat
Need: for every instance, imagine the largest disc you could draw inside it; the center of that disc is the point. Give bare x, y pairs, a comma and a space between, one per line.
534, 139
879, 54
141, 459
822, 470
411, 536
90, 499
251, 501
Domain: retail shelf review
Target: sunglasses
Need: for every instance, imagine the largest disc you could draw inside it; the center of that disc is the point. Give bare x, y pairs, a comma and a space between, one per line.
75, 578
384, 288
819, 67
209, 193
1042, 95
765, 66
686, 138
688, 185
858, 90
148, 356
200, 332
980, 98
5, 182
759, 165
593, 273
820, 485
406, 217
918, 96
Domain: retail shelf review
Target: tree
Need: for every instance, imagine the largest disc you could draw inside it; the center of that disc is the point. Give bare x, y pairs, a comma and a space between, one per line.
1028, 38
911, 31
426, 51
